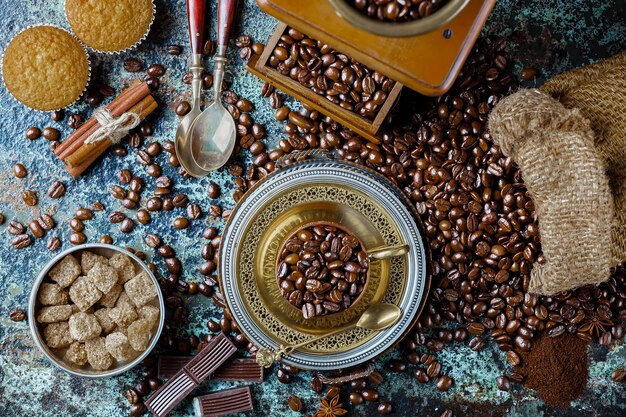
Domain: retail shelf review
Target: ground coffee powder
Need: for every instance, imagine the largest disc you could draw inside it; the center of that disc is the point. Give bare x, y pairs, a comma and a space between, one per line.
557, 368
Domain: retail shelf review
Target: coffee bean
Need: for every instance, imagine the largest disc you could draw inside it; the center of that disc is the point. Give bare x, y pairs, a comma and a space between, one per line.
134, 140
143, 216
17, 315
138, 409
56, 190
118, 192
156, 70
15, 228
57, 115
194, 211
77, 225
124, 176
32, 133
443, 383
294, 403
619, 375
153, 241
29, 197
152, 83
213, 190
180, 223
97, 206
174, 50
355, 398
36, 229
384, 408
132, 65
21, 241
19, 171
78, 238
503, 384
53, 244
396, 366
74, 121
153, 170
83, 213
208, 48
127, 225
370, 395
106, 239
183, 108
94, 97
529, 74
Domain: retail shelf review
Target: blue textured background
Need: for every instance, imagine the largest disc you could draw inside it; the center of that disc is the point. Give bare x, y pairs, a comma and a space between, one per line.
560, 35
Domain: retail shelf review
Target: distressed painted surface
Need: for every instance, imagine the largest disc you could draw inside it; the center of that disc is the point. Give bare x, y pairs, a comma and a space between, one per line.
560, 34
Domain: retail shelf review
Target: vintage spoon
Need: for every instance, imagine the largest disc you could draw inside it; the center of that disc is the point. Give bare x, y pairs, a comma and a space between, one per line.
213, 132
195, 17
384, 252
377, 317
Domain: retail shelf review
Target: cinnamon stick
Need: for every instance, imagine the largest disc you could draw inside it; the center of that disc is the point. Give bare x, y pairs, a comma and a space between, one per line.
77, 169
120, 105
82, 153
91, 122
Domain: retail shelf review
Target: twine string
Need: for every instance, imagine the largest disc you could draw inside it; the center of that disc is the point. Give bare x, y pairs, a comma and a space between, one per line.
111, 127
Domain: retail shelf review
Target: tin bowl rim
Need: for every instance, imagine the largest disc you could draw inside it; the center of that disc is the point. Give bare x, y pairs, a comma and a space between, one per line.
37, 337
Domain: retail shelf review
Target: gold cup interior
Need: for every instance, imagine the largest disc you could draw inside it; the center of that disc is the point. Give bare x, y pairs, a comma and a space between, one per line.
322, 223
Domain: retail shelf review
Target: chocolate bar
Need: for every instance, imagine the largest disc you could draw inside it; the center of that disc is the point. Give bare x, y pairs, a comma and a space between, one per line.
199, 368
220, 403
238, 369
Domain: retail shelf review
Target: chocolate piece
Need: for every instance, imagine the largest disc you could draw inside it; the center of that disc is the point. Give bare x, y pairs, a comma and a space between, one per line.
224, 402
217, 351
238, 369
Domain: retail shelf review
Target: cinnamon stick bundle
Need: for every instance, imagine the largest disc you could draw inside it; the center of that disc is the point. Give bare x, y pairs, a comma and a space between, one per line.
78, 155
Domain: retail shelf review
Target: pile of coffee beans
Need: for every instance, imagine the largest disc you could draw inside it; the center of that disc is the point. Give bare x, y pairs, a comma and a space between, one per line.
340, 79
322, 269
397, 10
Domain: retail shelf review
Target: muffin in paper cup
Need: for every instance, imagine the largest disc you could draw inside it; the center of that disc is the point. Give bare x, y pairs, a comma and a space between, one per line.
45, 67
110, 26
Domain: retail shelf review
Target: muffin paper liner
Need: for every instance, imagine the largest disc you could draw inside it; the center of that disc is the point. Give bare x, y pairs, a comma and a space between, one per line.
121, 51
71, 34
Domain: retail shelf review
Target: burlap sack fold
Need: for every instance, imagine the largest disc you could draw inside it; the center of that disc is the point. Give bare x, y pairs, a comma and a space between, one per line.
599, 92
569, 140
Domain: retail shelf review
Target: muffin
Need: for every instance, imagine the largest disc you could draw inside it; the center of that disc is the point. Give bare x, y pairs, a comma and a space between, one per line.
45, 68
110, 25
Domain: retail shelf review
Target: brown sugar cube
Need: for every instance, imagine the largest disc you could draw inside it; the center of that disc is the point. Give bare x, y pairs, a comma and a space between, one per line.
117, 345
103, 276
123, 314
84, 326
53, 314
76, 354
66, 271
141, 289
149, 313
110, 298
139, 335
52, 295
84, 293
88, 259
97, 354
57, 335
102, 314
124, 266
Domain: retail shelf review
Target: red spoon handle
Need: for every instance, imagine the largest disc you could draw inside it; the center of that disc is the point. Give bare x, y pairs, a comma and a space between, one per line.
225, 15
195, 18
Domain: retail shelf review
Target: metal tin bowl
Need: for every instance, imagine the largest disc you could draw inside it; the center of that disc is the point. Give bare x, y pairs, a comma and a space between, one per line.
417, 27
361, 200
36, 328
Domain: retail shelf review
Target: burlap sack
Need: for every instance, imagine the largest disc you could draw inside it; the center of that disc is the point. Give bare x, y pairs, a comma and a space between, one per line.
569, 140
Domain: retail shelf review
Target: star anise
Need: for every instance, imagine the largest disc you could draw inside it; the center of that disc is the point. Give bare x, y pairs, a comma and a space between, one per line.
594, 324
330, 408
